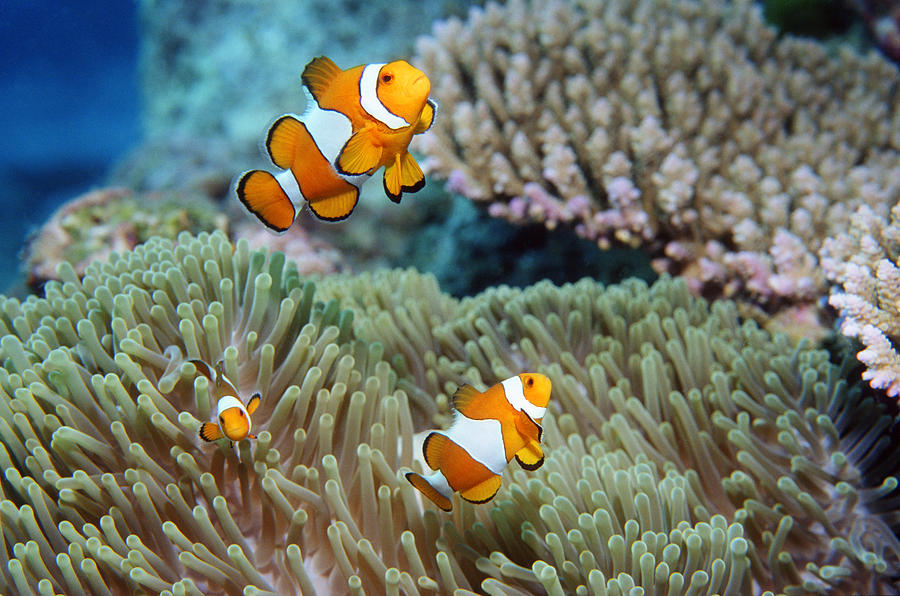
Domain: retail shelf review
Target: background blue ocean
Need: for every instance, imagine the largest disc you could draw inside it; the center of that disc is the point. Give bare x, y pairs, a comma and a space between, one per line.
69, 107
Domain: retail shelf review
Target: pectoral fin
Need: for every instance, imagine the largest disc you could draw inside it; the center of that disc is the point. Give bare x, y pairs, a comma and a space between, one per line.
360, 154
426, 118
484, 492
210, 431
528, 428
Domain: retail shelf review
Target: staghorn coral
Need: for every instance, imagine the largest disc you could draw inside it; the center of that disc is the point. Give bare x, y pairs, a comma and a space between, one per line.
864, 260
734, 464
683, 126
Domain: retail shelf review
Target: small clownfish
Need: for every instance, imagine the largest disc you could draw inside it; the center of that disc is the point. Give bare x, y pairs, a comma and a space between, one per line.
488, 430
233, 417
356, 121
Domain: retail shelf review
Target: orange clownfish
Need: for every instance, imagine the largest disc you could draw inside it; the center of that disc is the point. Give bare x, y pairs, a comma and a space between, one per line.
488, 430
232, 416
355, 122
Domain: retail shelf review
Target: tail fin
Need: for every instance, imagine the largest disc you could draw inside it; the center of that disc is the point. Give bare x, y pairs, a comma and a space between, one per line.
261, 194
429, 491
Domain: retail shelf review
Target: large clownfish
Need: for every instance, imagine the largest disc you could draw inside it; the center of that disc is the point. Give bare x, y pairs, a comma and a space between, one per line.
355, 122
233, 418
488, 430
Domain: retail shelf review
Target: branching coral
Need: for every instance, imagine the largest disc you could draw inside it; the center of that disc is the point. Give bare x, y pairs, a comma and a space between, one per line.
683, 126
686, 450
864, 259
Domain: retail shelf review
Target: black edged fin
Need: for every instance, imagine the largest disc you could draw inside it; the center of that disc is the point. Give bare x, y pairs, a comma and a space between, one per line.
484, 492
359, 155
426, 118
529, 465
433, 447
210, 431
204, 369
253, 403
318, 74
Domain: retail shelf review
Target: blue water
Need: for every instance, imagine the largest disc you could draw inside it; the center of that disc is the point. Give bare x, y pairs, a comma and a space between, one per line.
69, 107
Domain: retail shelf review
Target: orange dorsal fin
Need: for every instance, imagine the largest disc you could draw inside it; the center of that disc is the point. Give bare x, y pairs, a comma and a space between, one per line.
404, 175
318, 75
284, 137
360, 155
253, 403
433, 449
464, 397
261, 194
429, 491
426, 118
337, 207
483, 492
210, 431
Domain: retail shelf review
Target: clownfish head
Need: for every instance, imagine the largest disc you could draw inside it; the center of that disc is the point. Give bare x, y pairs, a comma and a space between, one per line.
403, 89
233, 418
536, 388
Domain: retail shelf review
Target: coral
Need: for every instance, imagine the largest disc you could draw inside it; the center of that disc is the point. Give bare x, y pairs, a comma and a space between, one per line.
112, 220
687, 127
685, 449
864, 260
309, 253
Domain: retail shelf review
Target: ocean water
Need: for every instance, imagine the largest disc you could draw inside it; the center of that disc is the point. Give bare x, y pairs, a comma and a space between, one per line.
69, 107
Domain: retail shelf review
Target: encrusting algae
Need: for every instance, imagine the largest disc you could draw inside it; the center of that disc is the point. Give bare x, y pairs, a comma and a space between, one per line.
686, 452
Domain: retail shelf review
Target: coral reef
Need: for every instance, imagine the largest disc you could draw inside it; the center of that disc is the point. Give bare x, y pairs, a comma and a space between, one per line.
686, 450
687, 127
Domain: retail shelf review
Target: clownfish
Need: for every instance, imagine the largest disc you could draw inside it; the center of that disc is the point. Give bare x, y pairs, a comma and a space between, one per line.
356, 121
233, 418
488, 430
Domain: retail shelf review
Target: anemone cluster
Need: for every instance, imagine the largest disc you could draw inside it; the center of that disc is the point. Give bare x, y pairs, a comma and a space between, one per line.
687, 452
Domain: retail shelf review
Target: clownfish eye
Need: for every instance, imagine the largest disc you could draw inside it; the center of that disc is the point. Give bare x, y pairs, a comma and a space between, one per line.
221, 419
387, 78
529, 381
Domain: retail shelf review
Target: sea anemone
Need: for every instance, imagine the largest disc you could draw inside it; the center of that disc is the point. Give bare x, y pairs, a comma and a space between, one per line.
685, 450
